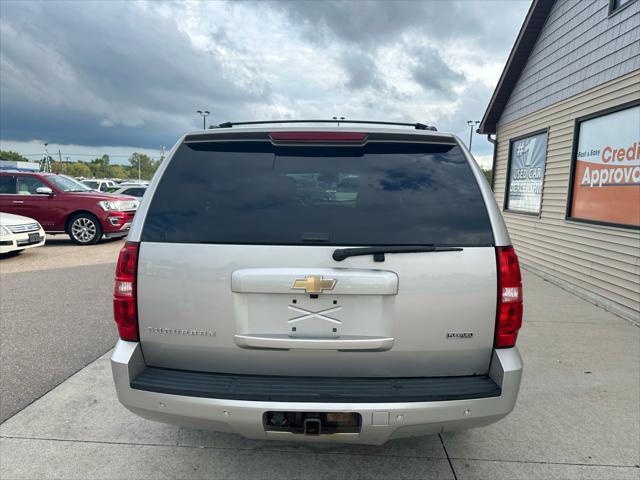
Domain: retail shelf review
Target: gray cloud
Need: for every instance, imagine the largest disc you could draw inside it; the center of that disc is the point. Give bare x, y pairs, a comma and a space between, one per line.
361, 69
113, 69
371, 23
362, 22
475, 102
433, 74
125, 73
362, 27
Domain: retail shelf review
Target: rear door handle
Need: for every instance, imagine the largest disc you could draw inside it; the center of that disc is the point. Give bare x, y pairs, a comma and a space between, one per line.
18, 201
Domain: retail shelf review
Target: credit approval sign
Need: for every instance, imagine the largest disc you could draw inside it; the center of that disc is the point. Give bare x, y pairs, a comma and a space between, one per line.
606, 179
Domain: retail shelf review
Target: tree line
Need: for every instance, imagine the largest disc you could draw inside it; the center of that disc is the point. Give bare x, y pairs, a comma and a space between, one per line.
98, 167
102, 168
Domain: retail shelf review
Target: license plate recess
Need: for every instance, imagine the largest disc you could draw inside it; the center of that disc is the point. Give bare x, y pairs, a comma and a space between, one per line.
313, 423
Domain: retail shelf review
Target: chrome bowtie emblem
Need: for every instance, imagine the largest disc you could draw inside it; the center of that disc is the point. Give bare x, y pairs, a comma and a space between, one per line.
314, 284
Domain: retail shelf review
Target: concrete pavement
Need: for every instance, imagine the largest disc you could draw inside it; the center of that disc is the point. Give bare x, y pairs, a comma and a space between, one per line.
577, 417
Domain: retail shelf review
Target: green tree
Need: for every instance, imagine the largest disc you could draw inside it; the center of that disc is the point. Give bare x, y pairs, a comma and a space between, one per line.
147, 165
12, 156
118, 171
56, 166
79, 169
100, 166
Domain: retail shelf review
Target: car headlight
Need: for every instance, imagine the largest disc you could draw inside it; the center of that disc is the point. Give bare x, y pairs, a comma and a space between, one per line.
4, 230
118, 205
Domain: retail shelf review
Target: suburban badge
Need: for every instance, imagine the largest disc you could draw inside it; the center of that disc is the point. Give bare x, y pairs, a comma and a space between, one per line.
459, 335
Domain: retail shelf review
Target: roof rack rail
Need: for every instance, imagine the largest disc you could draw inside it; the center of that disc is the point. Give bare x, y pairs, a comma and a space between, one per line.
417, 126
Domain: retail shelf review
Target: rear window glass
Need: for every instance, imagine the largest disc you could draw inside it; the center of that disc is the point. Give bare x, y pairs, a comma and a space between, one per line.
258, 193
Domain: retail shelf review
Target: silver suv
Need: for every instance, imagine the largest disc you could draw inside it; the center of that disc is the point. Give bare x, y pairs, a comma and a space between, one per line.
351, 284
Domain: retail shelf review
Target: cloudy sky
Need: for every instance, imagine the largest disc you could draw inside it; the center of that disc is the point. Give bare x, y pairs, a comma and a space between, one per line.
116, 77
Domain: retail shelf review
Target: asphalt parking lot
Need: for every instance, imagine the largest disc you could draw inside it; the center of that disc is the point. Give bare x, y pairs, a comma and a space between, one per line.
55, 316
578, 414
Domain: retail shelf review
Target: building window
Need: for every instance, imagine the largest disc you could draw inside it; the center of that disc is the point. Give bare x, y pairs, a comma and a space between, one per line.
525, 173
617, 4
605, 171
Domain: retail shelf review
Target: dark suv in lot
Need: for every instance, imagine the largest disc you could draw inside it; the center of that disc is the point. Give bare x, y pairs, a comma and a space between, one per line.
63, 205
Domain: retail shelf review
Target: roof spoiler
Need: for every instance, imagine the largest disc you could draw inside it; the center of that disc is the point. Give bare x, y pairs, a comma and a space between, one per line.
417, 126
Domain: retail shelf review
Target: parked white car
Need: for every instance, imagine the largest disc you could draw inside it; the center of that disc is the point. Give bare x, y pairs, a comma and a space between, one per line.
133, 190
18, 232
98, 185
132, 183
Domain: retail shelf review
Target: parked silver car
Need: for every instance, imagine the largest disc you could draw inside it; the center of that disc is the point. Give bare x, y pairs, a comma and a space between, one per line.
351, 284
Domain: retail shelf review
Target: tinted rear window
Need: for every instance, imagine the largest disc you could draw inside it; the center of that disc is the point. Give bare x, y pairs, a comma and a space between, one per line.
7, 184
258, 193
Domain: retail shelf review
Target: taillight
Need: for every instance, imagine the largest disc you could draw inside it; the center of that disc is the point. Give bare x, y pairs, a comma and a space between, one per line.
509, 311
125, 310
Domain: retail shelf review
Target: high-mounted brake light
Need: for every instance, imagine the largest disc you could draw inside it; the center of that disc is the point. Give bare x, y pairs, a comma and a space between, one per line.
356, 137
125, 309
509, 308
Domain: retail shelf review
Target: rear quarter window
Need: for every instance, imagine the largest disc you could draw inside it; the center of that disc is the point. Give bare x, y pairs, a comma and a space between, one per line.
258, 193
7, 184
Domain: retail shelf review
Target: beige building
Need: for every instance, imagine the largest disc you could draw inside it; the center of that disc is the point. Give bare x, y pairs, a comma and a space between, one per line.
565, 117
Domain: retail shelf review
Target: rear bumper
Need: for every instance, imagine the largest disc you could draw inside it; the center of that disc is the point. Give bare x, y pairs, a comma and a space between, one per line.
381, 421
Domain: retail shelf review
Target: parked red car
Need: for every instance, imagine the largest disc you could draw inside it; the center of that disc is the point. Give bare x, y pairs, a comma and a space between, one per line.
63, 205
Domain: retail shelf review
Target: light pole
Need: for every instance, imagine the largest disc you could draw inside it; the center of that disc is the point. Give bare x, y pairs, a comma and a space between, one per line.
471, 123
338, 119
204, 114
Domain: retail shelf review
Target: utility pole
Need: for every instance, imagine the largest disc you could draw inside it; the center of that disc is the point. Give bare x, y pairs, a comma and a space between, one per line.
471, 123
67, 169
161, 153
338, 119
139, 162
204, 114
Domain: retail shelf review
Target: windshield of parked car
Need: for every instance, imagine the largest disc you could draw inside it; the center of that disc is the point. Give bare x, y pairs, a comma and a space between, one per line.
379, 194
67, 184
91, 184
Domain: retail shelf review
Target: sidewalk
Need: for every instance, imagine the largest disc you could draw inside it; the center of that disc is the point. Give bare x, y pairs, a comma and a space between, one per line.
577, 416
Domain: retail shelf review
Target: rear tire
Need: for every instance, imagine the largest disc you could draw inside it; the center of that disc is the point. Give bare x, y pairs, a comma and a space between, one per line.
84, 229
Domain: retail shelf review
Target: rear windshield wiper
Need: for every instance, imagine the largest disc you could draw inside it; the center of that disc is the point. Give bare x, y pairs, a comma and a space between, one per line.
378, 252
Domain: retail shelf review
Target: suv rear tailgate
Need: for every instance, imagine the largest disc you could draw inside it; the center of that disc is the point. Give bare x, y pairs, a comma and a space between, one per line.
236, 273
190, 317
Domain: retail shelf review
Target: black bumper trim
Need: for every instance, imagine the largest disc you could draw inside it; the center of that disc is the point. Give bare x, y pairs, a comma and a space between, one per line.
314, 389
